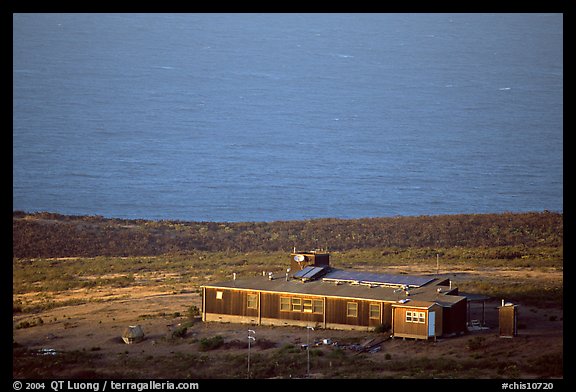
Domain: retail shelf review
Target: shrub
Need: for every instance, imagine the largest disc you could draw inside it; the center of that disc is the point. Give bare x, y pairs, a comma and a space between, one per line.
193, 311
547, 365
23, 324
180, 332
476, 343
207, 344
264, 343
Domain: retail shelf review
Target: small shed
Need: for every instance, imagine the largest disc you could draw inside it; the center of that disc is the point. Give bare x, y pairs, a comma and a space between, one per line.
133, 334
508, 320
416, 319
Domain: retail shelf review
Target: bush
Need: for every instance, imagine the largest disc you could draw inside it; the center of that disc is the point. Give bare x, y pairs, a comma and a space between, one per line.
207, 344
193, 311
476, 343
547, 365
23, 324
264, 343
180, 332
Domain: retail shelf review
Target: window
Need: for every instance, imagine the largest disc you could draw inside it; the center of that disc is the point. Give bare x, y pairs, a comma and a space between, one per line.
219, 294
351, 309
288, 304
421, 317
296, 304
252, 302
317, 306
284, 304
415, 317
375, 311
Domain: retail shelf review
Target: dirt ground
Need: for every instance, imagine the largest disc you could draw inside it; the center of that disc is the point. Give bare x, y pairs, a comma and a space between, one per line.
92, 332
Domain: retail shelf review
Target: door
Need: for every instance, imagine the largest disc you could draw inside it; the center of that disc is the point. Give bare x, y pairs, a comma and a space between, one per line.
431, 323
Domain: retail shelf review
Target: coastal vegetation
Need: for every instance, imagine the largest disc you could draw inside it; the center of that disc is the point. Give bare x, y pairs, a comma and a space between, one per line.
53, 235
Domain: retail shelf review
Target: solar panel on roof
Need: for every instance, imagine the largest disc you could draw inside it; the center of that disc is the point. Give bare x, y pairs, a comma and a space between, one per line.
310, 272
368, 277
303, 271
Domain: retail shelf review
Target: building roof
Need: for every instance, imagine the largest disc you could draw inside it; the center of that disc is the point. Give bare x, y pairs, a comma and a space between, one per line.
377, 278
414, 304
428, 292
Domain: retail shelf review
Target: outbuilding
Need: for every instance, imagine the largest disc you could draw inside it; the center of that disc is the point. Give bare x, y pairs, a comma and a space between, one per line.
508, 320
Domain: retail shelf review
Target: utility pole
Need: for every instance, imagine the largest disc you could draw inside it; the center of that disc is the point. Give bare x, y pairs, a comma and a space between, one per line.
437, 263
308, 348
250, 338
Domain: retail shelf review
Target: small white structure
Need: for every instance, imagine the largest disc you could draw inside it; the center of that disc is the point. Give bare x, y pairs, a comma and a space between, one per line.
133, 334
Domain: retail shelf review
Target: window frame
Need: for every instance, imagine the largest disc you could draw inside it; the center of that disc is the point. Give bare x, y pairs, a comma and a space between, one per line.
252, 298
415, 316
287, 304
317, 306
219, 294
422, 317
352, 309
296, 304
371, 308
307, 305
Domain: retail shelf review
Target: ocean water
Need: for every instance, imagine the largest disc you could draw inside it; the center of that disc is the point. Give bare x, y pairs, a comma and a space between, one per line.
263, 117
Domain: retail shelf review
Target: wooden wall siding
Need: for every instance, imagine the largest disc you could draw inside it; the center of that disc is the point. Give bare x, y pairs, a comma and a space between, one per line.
439, 327
507, 321
270, 305
335, 310
387, 314
403, 328
271, 308
454, 318
233, 302
449, 320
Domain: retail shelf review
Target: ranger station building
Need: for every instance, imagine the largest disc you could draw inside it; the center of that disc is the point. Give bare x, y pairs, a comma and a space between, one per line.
314, 294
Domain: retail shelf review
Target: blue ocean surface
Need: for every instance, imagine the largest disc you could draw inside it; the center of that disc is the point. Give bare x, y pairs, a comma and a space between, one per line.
264, 117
